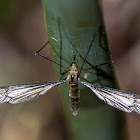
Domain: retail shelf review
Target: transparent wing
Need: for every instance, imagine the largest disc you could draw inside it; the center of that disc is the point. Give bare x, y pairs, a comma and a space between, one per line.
124, 101
24, 92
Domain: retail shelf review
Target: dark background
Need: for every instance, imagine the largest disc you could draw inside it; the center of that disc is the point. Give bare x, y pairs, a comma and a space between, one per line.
23, 32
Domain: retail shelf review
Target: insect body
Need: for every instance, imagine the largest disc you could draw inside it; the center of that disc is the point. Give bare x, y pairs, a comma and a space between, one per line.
74, 92
124, 101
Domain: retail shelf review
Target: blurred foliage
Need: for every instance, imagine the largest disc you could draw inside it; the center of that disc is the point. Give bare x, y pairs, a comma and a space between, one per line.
6, 11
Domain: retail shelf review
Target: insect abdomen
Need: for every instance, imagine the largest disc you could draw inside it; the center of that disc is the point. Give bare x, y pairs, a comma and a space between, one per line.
74, 94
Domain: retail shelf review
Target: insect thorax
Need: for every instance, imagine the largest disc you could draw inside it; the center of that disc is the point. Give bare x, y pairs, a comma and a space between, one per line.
73, 76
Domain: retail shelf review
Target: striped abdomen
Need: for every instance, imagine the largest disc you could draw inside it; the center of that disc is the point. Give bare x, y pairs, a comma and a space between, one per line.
74, 94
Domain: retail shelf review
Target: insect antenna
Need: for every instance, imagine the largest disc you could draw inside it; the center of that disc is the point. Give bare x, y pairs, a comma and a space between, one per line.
37, 53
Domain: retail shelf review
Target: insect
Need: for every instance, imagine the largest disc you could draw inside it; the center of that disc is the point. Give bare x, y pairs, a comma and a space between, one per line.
124, 101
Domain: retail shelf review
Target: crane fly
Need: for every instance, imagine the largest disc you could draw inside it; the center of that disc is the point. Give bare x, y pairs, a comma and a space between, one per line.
124, 101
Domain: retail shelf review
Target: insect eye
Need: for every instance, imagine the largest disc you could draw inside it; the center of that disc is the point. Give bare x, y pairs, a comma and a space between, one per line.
72, 77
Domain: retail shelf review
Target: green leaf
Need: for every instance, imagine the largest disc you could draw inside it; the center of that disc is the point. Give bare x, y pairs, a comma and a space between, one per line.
72, 26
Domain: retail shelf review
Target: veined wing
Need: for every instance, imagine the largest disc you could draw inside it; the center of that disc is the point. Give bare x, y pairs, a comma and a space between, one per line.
24, 92
124, 101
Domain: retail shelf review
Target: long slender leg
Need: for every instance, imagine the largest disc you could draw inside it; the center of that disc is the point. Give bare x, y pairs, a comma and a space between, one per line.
42, 47
59, 29
78, 52
99, 79
87, 52
76, 49
96, 66
59, 56
92, 66
37, 53
62, 77
85, 79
